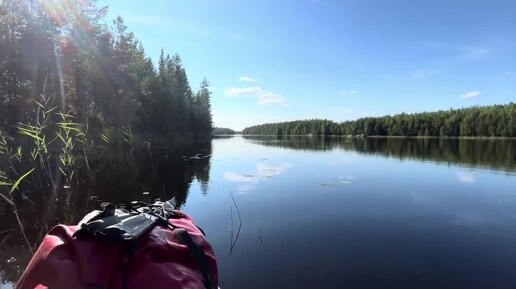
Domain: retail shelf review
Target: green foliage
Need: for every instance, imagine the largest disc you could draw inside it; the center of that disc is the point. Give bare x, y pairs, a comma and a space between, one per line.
486, 121
98, 74
3, 145
18, 181
223, 131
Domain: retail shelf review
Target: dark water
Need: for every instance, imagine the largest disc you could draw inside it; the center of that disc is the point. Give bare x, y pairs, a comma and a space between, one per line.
323, 213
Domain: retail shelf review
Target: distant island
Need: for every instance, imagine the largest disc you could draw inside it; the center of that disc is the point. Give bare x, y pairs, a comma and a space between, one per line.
477, 121
223, 131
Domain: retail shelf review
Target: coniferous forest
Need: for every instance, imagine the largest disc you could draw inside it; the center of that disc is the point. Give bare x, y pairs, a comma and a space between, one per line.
87, 117
485, 121
69, 59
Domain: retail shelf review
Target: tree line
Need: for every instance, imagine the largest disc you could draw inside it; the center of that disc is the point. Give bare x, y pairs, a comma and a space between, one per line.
223, 131
84, 111
477, 121
62, 57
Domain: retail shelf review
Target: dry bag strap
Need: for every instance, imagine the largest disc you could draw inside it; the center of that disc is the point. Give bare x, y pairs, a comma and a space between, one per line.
199, 257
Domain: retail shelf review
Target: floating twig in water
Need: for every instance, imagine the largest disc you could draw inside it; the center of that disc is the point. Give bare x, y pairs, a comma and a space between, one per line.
260, 226
233, 242
327, 184
231, 224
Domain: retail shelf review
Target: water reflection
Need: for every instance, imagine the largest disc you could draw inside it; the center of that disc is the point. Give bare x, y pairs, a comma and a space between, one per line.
115, 176
466, 177
488, 153
262, 172
389, 220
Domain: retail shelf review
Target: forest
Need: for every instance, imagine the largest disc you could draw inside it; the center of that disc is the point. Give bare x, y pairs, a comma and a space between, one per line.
86, 117
478, 121
66, 59
223, 131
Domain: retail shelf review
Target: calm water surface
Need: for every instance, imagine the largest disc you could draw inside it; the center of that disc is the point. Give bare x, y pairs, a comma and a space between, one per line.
351, 213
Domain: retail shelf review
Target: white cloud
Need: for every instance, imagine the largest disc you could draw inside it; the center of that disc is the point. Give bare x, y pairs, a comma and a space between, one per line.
265, 97
246, 79
242, 91
319, 2
268, 98
423, 73
347, 92
474, 53
470, 94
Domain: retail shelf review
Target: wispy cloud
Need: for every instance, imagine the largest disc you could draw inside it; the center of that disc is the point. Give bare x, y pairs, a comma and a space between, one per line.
319, 2
265, 97
246, 79
458, 52
470, 94
242, 91
423, 73
473, 53
348, 92
269, 97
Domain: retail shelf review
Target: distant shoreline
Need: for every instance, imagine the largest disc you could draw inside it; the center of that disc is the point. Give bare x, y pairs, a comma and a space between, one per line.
388, 136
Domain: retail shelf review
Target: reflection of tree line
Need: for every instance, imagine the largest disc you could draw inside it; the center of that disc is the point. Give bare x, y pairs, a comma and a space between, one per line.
492, 153
115, 176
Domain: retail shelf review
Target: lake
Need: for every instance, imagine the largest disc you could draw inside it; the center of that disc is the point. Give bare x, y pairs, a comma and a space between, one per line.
312, 212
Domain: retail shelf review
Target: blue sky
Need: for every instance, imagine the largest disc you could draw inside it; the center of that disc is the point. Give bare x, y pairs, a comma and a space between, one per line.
277, 60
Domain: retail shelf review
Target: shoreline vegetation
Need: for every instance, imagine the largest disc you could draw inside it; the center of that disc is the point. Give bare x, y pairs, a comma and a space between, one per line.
96, 73
86, 116
223, 131
388, 136
87, 90
492, 121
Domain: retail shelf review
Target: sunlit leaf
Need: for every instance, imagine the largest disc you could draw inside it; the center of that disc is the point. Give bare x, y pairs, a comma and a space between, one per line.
39, 104
34, 153
29, 132
105, 137
3, 145
61, 137
51, 110
63, 172
17, 183
45, 149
